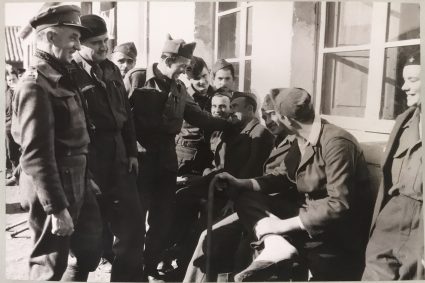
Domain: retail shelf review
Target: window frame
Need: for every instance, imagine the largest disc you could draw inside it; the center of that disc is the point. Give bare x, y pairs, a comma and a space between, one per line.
377, 47
241, 60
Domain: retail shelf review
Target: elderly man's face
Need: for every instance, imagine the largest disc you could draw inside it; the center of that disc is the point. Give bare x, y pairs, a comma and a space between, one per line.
223, 78
66, 41
202, 83
95, 48
272, 121
220, 106
123, 62
412, 84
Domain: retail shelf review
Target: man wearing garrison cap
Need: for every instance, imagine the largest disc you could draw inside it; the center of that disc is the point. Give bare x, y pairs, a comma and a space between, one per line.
49, 124
112, 152
159, 109
325, 224
124, 56
223, 75
396, 246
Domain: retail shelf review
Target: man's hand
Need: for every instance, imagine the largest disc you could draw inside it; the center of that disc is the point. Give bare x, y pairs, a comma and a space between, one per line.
225, 181
62, 224
133, 165
275, 225
94, 187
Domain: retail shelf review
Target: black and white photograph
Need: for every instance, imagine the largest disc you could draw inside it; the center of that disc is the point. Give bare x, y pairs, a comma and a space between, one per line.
233, 141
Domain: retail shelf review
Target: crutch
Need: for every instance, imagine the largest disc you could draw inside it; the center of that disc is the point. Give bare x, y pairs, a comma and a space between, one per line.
210, 218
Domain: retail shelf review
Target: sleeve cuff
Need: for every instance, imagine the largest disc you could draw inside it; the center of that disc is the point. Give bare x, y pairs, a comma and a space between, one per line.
255, 185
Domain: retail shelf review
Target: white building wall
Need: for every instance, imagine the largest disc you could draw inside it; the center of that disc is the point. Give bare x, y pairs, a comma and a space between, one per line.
175, 18
132, 26
271, 48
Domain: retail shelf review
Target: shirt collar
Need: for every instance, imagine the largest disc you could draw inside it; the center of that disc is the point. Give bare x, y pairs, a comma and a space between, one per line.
313, 137
84, 63
48, 71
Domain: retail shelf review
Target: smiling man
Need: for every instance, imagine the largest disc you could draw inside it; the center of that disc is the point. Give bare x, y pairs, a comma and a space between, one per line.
48, 123
112, 151
159, 109
396, 247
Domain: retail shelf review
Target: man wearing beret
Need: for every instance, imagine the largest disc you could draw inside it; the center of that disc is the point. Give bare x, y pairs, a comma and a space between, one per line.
325, 218
159, 109
396, 246
112, 152
223, 75
49, 124
192, 144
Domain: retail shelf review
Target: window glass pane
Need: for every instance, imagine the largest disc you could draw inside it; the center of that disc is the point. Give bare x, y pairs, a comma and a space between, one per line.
403, 21
236, 84
348, 23
223, 6
248, 48
247, 80
393, 99
345, 83
228, 35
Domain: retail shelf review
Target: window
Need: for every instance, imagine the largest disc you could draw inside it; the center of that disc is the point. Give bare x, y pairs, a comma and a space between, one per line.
233, 39
362, 49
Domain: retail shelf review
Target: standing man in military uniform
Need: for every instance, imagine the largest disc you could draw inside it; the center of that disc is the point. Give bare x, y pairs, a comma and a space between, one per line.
192, 144
396, 247
159, 110
113, 152
124, 56
49, 124
223, 75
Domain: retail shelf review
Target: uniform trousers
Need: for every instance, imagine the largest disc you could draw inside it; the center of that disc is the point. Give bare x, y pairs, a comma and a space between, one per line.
119, 205
396, 247
49, 256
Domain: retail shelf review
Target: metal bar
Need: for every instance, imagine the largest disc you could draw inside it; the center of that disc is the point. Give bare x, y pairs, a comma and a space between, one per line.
210, 218
15, 225
14, 234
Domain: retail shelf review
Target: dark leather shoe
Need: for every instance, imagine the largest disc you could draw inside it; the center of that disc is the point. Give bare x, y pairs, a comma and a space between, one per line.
261, 270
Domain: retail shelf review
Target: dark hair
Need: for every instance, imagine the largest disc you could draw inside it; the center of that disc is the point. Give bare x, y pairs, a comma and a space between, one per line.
230, 68
10, 70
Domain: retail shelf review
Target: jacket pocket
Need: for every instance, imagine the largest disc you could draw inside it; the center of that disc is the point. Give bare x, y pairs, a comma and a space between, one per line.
73, 183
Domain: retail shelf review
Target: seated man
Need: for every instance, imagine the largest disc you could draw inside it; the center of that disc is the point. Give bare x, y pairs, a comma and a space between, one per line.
242, 154
323, 220
396, 247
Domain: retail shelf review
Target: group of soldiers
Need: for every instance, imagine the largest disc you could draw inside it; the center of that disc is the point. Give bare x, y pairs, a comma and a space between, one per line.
106, 148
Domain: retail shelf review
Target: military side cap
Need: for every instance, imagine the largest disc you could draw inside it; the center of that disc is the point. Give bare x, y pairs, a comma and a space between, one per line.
414, 59
58, 15
268, 103
220, 64
95, 24
293, 102
250, 96
128, 49
179, 47
194, 70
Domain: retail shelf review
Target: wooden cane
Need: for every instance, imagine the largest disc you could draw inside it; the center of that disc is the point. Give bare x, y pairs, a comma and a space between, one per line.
210, 218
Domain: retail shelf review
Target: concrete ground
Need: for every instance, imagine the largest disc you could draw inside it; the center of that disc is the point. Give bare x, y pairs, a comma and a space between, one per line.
19, 246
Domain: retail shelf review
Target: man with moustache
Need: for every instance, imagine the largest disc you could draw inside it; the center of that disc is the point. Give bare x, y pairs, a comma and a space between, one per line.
159, 109
49, 124
396, 246
112, 153
223, 75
